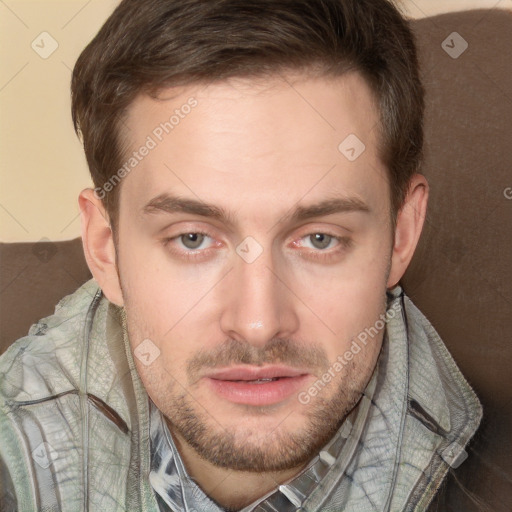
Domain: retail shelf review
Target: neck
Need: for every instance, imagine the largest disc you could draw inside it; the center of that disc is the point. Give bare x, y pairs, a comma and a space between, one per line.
230, 489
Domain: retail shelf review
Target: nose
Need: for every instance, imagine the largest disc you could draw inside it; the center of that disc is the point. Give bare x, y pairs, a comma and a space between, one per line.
258, 304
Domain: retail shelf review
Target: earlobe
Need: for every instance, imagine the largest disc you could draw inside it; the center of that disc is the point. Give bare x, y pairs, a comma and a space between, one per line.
409, 225
98, 243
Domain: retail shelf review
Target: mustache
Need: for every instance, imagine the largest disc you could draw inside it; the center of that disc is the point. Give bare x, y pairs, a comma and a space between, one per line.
278, 350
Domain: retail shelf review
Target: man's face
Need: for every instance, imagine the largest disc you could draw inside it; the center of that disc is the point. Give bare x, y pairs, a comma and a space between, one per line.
252, 252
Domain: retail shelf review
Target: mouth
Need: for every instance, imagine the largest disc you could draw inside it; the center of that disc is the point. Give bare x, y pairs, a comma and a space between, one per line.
257, 386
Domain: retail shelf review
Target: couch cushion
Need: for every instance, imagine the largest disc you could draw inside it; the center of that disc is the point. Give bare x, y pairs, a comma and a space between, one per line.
461, 275
33, 278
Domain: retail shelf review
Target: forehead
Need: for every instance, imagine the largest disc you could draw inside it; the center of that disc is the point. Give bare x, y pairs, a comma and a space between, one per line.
246, 142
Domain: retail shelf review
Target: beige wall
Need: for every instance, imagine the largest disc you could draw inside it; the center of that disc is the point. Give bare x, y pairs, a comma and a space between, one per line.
42, 167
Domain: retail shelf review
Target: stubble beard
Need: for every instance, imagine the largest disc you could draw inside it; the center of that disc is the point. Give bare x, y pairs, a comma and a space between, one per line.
234, 449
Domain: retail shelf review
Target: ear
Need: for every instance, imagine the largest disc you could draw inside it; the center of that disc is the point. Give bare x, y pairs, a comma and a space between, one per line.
408, 228
98, 242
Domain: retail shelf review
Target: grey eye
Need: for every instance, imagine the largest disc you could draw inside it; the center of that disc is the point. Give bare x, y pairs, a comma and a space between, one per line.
320, 240
192, 240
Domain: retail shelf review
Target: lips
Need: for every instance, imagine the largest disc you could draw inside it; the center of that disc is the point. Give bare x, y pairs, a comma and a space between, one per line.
253, 385
247, 373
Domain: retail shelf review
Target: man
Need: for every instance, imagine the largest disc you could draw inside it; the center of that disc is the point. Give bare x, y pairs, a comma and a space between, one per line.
244, 344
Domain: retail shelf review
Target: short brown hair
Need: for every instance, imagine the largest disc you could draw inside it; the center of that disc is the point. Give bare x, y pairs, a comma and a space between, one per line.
147, 45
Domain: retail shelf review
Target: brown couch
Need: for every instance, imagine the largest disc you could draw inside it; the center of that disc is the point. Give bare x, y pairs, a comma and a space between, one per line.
461, 275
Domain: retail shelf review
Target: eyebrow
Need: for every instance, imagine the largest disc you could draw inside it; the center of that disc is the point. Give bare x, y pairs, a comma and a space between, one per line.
329, 207
166, 203
171, 204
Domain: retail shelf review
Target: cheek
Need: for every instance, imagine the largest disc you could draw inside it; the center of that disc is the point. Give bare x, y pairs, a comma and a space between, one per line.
348, 298
166, 304
159, 293
159, 351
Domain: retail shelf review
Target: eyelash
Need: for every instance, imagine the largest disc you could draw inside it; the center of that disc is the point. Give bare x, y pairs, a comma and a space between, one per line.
344, 243
189, 254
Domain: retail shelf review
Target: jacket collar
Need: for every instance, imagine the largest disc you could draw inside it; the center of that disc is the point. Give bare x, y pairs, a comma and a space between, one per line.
420, 416
414, 419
